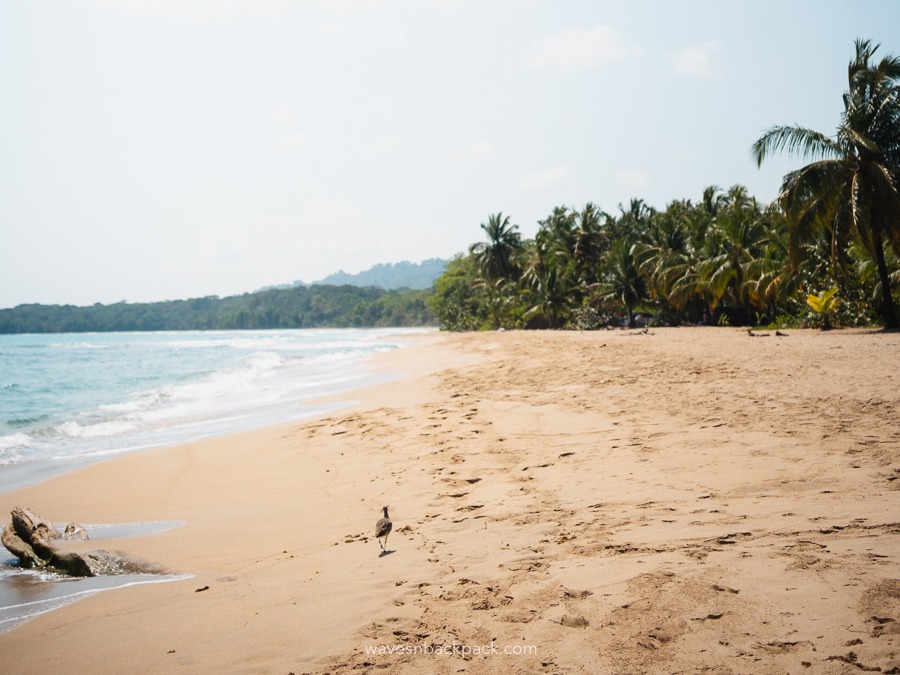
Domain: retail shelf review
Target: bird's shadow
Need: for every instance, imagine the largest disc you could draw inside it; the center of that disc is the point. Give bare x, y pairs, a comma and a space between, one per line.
384, 553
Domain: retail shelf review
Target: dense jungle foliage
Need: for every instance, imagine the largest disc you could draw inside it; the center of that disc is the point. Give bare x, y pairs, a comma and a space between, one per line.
300, 307
826, 252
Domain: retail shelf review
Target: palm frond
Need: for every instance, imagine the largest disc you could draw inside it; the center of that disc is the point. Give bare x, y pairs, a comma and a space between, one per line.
795, 140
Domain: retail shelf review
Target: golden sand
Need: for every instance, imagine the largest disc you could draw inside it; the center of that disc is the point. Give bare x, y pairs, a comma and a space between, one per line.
680, 500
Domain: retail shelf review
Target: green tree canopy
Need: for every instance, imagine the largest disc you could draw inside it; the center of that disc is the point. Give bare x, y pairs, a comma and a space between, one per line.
850, 188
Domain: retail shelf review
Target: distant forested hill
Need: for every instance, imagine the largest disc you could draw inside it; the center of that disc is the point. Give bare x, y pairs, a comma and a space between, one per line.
393, 276
299, 307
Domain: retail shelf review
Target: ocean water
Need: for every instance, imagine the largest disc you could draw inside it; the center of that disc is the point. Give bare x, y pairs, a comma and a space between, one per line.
68, 400
25, 594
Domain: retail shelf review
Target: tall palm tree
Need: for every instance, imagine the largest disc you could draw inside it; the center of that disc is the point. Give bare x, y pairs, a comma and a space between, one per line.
633, 221
558, 229
589, 242
850, 189
496, 258
712, 200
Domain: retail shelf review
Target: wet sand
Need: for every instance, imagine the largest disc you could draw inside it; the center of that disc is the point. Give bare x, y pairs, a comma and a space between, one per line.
680, 500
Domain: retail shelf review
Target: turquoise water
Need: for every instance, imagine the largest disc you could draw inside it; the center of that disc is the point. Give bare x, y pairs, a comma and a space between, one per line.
25, 594
67, 400
70, 399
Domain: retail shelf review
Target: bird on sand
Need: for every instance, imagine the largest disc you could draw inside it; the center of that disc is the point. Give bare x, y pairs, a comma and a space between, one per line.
383, 528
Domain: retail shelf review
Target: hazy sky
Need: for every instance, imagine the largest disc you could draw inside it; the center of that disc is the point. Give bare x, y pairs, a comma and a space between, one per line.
163, 149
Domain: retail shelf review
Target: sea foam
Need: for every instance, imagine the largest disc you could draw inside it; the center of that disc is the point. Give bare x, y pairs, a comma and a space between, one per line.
84, 397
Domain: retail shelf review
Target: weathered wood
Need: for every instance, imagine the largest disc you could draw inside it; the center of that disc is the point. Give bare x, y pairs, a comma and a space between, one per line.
19, 548
32, 540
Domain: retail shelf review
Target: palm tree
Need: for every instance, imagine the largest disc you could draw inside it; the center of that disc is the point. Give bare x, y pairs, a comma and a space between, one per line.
496, 258
712, 200
660, 252
868, 272
589, 242
634, 220
850, 189
771, 278
683, 271
557, 230
553, 295
622, 282
498, 298
735, 242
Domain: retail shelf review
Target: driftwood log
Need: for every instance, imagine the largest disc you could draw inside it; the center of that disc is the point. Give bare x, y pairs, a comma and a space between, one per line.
35, 542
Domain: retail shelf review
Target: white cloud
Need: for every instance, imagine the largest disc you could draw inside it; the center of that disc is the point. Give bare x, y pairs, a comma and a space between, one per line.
545, 179
578, 49
475, 152
698, 61
633, 179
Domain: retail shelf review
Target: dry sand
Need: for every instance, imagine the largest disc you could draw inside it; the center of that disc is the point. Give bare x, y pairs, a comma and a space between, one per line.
683, 500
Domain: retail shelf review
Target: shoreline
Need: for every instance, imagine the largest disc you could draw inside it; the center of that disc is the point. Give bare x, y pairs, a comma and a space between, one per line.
176, 410
616, 500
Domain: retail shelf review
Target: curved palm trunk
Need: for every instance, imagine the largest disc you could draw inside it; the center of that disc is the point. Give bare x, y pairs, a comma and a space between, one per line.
889, 311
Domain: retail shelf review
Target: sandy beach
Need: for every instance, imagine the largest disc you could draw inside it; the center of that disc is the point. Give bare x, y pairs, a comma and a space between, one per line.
676, 500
